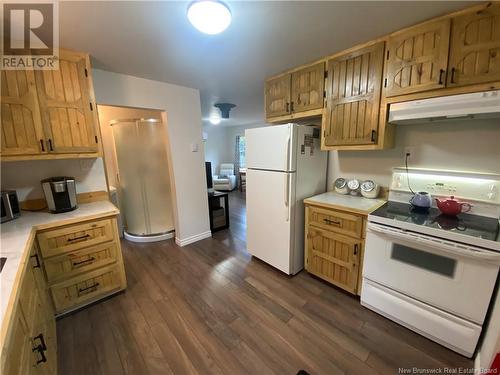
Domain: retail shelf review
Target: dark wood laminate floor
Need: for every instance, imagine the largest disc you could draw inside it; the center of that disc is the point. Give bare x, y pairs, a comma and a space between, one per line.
209, 308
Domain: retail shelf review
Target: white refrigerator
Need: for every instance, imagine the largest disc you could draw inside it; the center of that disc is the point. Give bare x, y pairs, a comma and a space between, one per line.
285, 165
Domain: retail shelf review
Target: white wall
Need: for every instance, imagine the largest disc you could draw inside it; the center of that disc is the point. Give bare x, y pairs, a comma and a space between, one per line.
183, 119
219, 147
217, 150
25, 176
469, 146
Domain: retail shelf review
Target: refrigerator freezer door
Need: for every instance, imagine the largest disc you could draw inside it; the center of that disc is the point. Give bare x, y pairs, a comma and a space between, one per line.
270, 197
271, 148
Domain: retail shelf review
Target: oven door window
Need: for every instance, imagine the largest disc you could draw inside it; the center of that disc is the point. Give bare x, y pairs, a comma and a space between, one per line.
431, 262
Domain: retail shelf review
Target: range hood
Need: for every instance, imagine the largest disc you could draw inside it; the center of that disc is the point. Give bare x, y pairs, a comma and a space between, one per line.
479, 105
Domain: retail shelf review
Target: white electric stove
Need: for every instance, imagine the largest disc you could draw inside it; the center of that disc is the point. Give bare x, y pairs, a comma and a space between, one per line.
429, 272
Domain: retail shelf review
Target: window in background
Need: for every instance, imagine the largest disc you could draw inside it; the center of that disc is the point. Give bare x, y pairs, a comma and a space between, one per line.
241, 151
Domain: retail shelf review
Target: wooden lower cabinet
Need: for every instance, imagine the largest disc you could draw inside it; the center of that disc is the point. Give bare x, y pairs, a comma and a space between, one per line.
58, 278
82, 262
335, 252
31, 342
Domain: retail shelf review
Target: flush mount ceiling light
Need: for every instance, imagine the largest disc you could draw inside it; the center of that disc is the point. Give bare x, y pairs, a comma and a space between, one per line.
209, 16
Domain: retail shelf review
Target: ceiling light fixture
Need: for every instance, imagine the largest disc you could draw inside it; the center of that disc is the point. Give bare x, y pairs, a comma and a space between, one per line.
214, 119
209, 16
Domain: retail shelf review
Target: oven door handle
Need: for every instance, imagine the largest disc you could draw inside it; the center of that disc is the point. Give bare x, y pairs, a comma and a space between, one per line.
436, 244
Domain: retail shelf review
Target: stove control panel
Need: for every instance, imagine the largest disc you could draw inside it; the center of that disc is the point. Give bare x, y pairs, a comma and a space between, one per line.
476, 187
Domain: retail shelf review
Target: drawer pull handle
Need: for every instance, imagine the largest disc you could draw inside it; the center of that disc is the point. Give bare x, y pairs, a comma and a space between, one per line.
37, 265
41, 351
42, 341
77, 264
356, 249
41, 348
79, 238
88, 289
331, 222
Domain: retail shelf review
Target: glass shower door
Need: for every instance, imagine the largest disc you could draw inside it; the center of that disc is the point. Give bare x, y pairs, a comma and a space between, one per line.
141, 153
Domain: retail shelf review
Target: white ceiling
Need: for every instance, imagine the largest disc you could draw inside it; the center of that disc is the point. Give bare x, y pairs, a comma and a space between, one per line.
154, 40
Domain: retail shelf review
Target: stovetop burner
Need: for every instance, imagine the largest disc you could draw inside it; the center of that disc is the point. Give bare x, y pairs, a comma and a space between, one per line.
471, 225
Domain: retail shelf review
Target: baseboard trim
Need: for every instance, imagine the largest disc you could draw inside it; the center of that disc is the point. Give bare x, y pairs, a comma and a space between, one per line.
191, 239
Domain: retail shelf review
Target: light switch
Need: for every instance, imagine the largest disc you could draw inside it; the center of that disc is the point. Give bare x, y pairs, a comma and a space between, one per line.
194, 147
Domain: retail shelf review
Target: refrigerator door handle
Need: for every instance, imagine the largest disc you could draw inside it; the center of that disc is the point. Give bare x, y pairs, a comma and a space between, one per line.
287, 160
287, 203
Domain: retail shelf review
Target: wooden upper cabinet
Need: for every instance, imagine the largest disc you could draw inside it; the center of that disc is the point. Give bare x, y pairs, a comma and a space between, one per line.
417, 58
307, 88
66, 105
22, 131
475, 47
353, 97
277, 96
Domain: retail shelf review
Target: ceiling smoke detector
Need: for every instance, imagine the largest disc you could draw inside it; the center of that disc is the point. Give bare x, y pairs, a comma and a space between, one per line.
224, 109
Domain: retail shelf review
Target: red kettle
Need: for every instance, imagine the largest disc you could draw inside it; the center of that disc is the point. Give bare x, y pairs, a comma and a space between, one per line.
452, 207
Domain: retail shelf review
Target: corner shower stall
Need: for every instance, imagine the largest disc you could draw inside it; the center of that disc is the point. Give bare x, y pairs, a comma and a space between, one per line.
144, 179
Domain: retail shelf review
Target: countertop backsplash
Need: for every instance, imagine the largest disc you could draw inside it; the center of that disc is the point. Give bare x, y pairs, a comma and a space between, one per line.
468, 145
25, 176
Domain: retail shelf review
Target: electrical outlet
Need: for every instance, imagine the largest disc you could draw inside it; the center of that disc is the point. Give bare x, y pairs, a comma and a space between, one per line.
409, 150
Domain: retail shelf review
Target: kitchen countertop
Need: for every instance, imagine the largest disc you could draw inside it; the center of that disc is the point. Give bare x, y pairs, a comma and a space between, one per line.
352, 203
17, 236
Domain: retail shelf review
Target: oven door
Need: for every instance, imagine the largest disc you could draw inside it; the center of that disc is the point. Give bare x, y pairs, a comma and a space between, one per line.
453, 277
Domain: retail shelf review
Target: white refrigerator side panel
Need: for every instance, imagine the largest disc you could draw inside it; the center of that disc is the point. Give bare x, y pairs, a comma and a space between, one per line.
270, 147
311, 180
269, 217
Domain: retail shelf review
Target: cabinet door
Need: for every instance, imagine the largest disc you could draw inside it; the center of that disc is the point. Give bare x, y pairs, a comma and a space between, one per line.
22, 130
16, 352
333, 257
66, 107
277, 96
475, 47
307, 88
417, 58
353, 97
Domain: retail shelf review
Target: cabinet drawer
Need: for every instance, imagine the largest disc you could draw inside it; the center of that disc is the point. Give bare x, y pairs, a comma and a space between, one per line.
87, 287
336, 221
74, 237
77, 262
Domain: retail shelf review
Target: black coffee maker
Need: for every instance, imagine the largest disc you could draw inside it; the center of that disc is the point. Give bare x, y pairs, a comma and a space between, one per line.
60, 194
